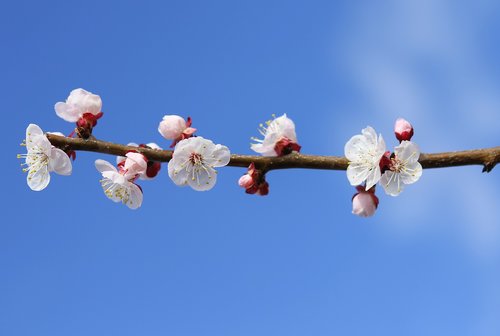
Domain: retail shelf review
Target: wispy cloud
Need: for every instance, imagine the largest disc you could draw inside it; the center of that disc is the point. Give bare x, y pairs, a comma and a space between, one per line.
424, 60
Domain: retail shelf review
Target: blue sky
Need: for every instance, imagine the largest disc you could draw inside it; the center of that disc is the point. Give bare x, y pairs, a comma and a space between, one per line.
224, 263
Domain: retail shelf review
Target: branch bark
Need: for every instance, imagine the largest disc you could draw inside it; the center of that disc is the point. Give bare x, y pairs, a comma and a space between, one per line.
487, 157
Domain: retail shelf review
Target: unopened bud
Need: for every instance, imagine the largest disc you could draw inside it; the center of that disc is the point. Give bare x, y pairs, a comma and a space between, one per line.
403, 130
364, 203
246, 181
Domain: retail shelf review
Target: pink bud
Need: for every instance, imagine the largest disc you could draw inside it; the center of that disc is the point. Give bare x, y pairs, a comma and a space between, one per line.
246, 181
172, 126
403, 130
364, 203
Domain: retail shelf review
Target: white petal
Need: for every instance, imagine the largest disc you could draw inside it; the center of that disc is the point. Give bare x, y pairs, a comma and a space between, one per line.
407, 152
39, 180
267, 150
85, 101
135, 199
411, 173
177, 174
370, 135
67, 112
36, 140
285, 127
357, 174
59, 162
220, 156
373, 177
392, 183
104, 166
203, 180
356, 148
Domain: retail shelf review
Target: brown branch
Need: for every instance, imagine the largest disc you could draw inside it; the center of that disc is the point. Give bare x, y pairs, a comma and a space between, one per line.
487, 157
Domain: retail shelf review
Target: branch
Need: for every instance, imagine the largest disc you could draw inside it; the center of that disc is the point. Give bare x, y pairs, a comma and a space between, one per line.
487, 157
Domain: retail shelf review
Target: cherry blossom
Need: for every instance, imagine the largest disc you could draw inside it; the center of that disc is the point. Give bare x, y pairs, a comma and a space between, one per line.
153, 167
193, 163
403, 169
254, 182
279, 138
174, 127
403, 130
364, 152
82, 107
364, 202
42, 158
117, 187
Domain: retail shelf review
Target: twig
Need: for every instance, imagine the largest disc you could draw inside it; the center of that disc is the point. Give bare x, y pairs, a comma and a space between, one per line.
487, 157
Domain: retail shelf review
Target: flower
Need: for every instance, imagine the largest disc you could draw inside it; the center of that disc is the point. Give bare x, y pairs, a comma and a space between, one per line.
78, 103
42, 158
175, 128
117, 187
403, 169
403, 130
82, 107
364, 152
153, 167
254, 181
279, 138
193, 163
364, 202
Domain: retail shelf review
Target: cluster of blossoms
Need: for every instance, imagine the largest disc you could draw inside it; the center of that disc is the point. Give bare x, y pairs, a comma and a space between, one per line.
195, 158
370, 163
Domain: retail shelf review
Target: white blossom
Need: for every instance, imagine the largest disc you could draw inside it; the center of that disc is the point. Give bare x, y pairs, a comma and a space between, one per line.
364, 152
79, 102
279, 137
117, 187
404, 168
42, 158
193, 163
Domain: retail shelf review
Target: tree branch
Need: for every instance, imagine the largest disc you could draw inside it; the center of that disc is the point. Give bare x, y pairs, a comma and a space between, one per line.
487, 157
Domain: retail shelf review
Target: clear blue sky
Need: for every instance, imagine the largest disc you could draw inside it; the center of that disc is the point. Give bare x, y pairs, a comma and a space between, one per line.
225, 263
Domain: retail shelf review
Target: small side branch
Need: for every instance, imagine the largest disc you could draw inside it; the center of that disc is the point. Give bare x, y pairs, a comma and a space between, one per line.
487, 157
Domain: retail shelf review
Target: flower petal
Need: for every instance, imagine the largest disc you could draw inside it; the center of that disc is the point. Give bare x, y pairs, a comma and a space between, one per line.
135, 198
36, 140
85, 101
373, 177
67, 112
391, 182
407, 152
177, 174
220, 156
59, 162
39, 179
357, 173
411, 173
202, 179
104, 166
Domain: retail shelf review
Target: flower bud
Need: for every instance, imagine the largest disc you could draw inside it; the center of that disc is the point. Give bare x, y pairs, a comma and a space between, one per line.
246, 181
403, 130
172, 126
175, 128
364, 203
